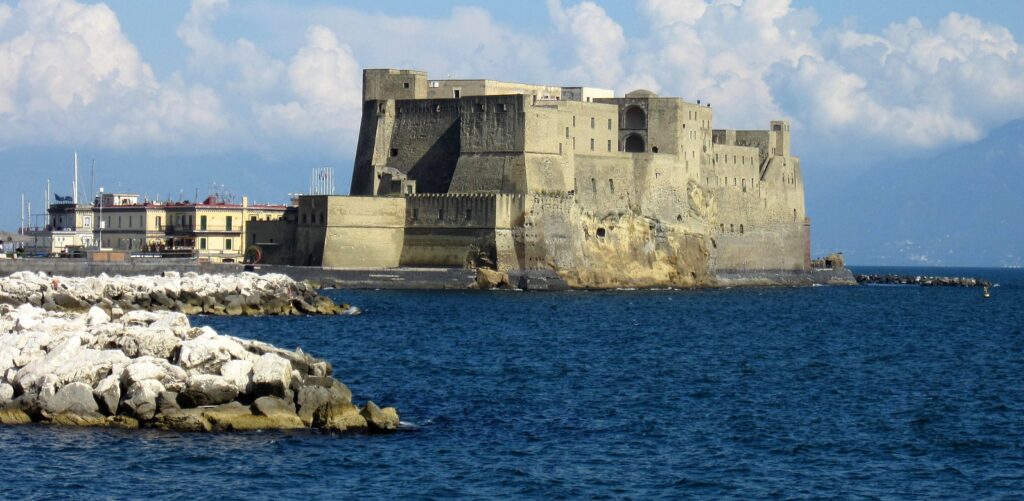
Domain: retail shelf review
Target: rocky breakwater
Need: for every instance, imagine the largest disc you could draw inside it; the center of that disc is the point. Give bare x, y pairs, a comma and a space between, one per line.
925, 281
191, 294
153, 369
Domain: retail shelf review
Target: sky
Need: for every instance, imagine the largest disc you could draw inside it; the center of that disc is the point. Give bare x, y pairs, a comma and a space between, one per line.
169, 97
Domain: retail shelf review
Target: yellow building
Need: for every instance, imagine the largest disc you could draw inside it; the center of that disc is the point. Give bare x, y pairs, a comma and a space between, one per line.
211, 230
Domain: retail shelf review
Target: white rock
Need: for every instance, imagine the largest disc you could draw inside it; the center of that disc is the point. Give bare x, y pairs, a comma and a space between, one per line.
6, 392
140, 399
209, 351
210, 389
108, 393
139, 341
97, 316
238, 373
271, 375
74, 397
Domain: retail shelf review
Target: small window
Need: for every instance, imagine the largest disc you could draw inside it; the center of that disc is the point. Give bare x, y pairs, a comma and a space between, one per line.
574, 120
456, 93
440, 214
567, 133
227, 243
559, 148
722, 227
741, 228
502, 107
593, 184
609, 124
202, 244
202, 223
406, 85
469, 214
600, 232
591, 144
228, 226
654, 149
480, 107
732, 229
611, 185
251, 218
592, 122
415, 214
609, 145
381, 108
394, 152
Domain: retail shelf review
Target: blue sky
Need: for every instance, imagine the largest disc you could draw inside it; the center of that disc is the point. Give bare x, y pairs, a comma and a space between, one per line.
170, 96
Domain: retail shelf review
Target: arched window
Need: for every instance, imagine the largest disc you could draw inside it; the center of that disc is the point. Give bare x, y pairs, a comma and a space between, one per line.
636, 118
634, 144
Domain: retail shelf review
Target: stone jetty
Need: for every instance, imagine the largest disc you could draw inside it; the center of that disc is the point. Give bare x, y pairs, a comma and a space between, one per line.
926, 281
153, 369
121, 352
192, 294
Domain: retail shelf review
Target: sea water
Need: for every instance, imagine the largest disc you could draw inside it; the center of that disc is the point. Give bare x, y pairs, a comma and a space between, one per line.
877, 392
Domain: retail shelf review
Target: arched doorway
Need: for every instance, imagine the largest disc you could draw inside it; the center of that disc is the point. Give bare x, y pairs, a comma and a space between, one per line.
635, 118
634, 144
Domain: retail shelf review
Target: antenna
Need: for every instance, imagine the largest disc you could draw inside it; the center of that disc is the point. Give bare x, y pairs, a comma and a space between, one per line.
21, 229
92, 179
74, 185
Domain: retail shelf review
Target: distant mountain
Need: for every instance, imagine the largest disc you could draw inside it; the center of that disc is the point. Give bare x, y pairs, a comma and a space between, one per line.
964, 207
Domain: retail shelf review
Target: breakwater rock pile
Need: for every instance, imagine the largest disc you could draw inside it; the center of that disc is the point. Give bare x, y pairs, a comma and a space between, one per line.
192, 294
153, 369
922, 280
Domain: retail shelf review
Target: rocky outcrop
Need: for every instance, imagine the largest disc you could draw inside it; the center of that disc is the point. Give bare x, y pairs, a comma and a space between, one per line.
235, 294
153, 369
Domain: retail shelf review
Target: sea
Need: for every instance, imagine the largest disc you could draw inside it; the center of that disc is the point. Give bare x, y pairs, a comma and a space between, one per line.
870, 392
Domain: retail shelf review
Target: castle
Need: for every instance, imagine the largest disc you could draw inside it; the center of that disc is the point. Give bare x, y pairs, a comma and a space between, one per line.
606, 191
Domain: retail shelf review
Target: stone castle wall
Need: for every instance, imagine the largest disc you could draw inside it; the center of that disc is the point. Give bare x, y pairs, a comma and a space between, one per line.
618, 191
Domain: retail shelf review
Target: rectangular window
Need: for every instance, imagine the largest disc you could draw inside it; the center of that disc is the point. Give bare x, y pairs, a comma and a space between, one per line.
202, 244
202, 223
229, 223
440, 214
611, 185
593, 121
567, 133
118, 221
159, 223
456, 93
415, 214
593, 184
469, 214
559, 148
227, 243
609, 145
406, 85
574, 120
591, 144
609, 124
394, 152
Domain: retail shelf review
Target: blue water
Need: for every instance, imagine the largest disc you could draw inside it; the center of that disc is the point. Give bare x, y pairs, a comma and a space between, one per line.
823, 392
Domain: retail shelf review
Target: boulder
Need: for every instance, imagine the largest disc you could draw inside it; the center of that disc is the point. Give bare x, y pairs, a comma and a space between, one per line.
380, 420
238, 373
108, 393
73, 398
140, 400
11, 415
339, 417
140, 341
271, 375
97, 316
280, 412
167, 402
207, 389
209, 351
6, 393
318, 393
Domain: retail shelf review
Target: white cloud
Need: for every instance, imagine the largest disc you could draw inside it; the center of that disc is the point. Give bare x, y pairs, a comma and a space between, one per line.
325, 79
597, 40
911, 85
68, 74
